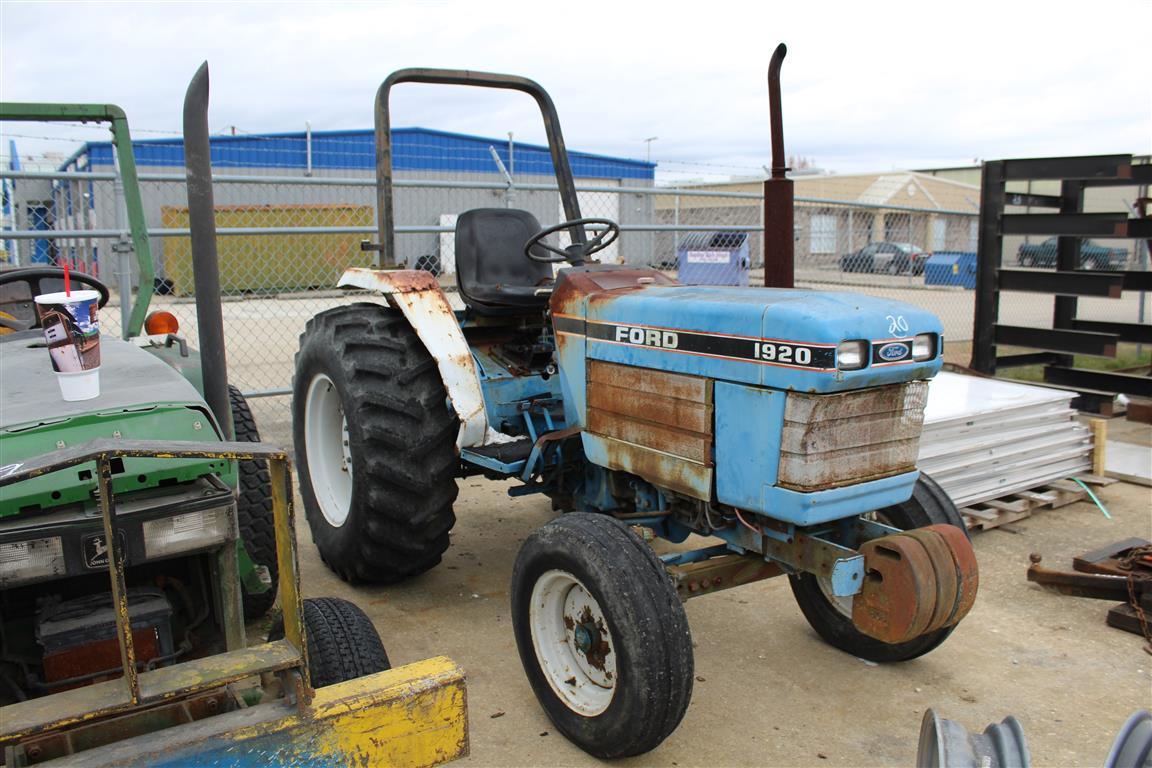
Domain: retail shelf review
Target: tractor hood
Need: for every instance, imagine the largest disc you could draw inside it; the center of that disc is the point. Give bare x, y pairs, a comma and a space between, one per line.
783, 339
141, 398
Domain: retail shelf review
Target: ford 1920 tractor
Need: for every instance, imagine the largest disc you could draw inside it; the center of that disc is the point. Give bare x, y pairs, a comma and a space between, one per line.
783, 425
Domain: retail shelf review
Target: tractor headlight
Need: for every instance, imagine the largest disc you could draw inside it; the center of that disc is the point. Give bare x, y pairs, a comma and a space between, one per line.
851, 355
186, 532
924, 346
32, 560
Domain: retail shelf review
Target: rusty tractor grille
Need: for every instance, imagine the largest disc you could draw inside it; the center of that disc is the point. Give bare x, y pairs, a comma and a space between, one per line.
841, 439
654, 424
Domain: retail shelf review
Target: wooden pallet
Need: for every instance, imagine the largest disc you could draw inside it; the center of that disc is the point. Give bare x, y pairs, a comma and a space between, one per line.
1022, 504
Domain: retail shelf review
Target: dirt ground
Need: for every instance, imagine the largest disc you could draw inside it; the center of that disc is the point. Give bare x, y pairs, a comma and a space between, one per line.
768, 692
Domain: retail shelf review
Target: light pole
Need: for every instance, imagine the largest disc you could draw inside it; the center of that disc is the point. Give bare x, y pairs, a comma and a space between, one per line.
649, 141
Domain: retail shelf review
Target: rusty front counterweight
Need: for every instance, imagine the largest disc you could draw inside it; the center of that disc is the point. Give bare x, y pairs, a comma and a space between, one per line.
915, 583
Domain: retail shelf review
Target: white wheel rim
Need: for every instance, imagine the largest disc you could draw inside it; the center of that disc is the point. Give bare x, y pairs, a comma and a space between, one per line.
842, 603
329, 454
573, 643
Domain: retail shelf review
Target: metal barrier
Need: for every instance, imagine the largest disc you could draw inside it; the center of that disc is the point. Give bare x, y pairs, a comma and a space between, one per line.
285, 237
28, 718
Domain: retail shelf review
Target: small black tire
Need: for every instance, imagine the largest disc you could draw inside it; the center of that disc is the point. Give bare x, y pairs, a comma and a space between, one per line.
343, 644
378, 492
929, 505
254, 507
623, 698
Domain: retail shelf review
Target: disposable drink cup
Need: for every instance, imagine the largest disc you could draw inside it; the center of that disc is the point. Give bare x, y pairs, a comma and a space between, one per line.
83, 385
72, 331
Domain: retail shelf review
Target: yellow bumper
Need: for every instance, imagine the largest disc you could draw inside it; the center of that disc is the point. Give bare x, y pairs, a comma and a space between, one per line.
408, 717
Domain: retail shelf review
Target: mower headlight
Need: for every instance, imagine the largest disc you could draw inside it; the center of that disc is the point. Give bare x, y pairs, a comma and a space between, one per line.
924, 346
31, 560
851, 355
186, 532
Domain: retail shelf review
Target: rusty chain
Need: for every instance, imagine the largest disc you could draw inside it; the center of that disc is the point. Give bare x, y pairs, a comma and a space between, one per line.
1138, 557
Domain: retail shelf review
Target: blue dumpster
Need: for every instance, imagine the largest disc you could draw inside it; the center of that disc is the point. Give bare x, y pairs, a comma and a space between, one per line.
951, 268
40, 218
713, 258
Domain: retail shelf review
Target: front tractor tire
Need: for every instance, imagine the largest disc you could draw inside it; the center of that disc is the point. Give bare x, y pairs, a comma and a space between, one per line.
375, 444
602, 635
832, 618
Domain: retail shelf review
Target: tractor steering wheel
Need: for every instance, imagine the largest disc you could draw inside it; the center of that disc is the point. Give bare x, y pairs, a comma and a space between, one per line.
576, 253
17, 312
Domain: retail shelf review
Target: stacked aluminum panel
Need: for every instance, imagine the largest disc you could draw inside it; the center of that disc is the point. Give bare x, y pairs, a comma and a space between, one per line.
987, 438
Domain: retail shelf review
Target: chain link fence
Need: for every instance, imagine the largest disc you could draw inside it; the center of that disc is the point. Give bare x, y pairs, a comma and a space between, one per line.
290, 219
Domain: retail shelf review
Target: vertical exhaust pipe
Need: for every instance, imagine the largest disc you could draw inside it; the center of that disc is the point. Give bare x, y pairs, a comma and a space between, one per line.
779, 241
205, 262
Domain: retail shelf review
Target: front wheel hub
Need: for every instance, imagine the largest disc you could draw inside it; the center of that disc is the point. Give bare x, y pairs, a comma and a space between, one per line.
572, 643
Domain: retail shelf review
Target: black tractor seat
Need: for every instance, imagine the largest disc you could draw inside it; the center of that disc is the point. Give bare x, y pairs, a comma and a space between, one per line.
493, 274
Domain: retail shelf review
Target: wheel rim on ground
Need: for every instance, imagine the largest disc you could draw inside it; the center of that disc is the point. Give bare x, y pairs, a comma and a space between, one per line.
572, 642
326, 443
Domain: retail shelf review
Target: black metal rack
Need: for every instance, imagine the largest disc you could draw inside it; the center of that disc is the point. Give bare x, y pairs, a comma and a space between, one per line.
1069, 334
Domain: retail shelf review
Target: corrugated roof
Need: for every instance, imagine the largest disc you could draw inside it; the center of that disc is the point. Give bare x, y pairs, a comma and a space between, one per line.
413, 149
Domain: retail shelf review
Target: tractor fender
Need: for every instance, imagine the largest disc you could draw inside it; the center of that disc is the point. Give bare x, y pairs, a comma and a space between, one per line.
419, 297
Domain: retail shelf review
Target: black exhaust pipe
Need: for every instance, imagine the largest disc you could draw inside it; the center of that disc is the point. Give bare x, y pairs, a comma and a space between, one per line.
205, 262
779, 242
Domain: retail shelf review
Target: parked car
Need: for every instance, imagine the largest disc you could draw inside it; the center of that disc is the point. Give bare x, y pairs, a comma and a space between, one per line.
1092, 255
894, 258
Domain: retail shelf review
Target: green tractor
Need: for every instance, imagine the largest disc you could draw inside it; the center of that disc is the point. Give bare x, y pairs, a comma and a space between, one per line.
154, 387
140, 529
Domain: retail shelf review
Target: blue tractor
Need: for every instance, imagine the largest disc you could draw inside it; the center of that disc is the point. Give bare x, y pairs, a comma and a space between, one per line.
782, 425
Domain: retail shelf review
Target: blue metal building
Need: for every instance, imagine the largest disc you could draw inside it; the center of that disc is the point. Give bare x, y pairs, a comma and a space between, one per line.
413, 149
419, 154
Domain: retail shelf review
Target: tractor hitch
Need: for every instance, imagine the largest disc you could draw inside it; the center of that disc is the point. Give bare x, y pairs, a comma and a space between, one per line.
902, 584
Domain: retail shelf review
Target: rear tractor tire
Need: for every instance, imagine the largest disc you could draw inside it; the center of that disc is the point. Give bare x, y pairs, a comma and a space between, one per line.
602, 635
375, 444
832, 618
343, 644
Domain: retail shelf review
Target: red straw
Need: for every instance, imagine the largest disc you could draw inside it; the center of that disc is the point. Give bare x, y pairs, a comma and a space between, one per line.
67, 282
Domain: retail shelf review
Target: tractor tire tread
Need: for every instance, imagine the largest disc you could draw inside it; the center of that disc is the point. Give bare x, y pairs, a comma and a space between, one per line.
342, 642
254, 516
403, 438
929, 505
648, 625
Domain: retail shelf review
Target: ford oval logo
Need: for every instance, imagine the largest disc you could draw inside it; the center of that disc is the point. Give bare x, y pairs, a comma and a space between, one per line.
893, 352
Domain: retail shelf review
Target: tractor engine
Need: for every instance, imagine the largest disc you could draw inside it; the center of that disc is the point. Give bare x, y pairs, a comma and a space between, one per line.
804, 406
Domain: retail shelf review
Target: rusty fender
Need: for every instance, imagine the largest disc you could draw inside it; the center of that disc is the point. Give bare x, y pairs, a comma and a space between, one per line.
418, 295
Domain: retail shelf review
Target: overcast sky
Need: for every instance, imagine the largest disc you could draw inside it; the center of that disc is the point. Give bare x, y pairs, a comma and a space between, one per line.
868, 86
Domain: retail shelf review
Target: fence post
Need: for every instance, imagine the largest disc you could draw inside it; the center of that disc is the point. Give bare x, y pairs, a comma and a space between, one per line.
988, 253
1067, 260
122, 247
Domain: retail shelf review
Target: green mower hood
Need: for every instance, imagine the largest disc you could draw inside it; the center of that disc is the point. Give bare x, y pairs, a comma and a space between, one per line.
141, 398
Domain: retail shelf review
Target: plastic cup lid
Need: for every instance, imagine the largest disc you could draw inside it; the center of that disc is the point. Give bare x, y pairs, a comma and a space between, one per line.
61, 297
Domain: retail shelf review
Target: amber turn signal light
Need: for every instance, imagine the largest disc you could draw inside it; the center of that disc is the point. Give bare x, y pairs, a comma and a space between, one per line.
161, 322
